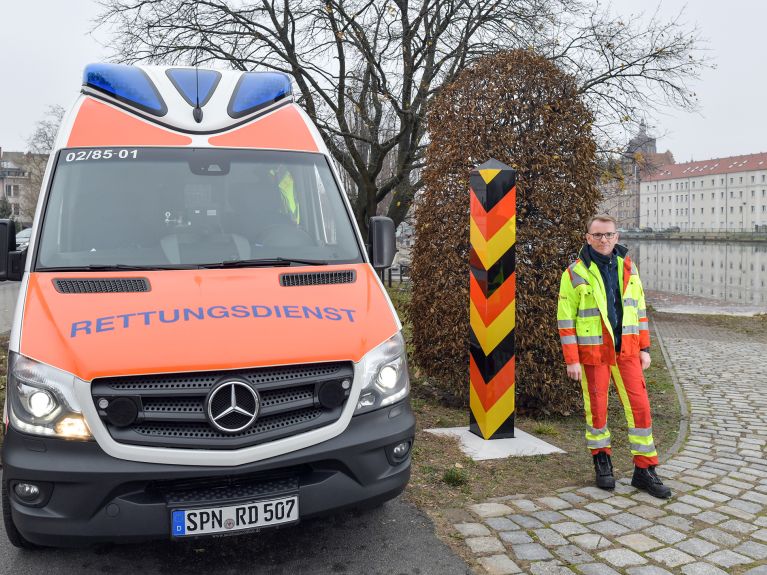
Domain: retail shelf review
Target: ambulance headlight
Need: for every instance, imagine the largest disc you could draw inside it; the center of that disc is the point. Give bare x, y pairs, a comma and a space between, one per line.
41, 400
385, 376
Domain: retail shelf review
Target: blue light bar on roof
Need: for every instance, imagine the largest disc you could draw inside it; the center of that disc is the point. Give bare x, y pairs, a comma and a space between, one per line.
196, 86
256, 90
127, 84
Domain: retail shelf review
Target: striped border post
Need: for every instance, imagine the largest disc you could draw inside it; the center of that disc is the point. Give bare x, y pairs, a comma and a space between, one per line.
492, 291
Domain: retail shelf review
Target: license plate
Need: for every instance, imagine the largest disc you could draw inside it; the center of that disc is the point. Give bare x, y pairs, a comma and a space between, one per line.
211, 520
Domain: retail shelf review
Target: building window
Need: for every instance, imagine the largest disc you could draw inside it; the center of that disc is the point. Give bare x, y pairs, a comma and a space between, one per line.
753, 209
731, 192
752, 193
721, 181
693, 211
712, 195
712, 182
11, 190
740, 193
752, 179
712, 210
740, 180
731, 180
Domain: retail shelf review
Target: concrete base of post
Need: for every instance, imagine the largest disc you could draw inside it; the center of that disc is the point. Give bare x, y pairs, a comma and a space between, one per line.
522, 445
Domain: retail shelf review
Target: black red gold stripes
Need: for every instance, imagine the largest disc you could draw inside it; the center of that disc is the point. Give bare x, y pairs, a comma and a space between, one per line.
492, 293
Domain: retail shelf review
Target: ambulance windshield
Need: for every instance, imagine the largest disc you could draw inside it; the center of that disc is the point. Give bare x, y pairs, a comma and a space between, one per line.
170, 207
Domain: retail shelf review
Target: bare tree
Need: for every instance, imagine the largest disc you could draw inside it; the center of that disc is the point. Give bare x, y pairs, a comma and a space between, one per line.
381, 63
39, 146
627, 67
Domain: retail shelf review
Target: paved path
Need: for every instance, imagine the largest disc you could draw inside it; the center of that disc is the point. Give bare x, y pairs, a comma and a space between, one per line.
716, 522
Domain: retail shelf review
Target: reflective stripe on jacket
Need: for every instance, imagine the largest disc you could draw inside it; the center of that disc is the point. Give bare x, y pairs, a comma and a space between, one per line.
584, 329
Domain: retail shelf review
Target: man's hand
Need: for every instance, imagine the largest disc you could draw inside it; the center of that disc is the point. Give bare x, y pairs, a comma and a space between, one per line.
644, 359
574, 371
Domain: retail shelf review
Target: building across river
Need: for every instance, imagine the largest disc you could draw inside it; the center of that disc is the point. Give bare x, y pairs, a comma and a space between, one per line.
721, 194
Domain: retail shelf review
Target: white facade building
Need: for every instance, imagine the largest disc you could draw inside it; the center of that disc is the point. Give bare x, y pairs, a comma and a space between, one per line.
723, 194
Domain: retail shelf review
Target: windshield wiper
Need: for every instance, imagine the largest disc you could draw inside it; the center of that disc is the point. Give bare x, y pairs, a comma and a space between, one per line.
115, 267
265, 262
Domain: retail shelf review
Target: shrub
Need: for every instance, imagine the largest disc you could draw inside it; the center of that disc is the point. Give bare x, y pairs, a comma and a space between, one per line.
518, 108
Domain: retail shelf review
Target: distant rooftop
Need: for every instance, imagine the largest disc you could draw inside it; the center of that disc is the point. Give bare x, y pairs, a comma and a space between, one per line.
711, 167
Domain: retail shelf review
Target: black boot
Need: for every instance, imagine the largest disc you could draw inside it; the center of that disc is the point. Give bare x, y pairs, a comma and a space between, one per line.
648, 480
603, 466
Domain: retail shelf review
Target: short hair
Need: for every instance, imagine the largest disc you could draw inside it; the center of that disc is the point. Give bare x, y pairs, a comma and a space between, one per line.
602, 218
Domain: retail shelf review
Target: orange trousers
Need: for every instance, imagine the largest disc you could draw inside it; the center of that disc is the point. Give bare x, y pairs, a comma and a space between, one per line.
630, 384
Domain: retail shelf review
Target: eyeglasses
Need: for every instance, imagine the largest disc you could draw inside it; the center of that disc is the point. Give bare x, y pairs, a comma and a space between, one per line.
607, 236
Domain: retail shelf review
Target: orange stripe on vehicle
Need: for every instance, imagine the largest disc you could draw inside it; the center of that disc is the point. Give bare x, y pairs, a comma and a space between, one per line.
283, 129
99, 124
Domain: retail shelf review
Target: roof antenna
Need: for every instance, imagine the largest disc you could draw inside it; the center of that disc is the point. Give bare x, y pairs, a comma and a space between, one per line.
197, 112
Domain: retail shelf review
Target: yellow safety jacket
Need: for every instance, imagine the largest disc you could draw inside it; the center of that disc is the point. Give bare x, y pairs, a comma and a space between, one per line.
584, 328
289, 197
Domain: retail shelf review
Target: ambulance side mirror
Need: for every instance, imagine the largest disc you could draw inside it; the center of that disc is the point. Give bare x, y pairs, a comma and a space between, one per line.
11, 261
382, 244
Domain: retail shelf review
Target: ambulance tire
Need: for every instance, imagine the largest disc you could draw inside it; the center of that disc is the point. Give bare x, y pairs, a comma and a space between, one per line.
16, 538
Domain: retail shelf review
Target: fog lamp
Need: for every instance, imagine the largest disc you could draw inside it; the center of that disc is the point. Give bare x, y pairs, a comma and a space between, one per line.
27, 491
401, 450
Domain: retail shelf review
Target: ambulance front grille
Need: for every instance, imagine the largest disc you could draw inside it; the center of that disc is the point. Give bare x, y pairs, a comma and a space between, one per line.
171, 408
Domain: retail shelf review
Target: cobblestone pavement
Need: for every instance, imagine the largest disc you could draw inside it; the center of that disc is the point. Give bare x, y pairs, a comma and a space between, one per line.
716, 522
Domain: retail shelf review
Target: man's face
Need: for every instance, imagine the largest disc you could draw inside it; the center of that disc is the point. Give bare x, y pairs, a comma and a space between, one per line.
601, 243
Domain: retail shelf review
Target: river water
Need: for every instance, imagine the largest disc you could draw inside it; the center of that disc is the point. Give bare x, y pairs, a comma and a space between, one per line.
702, 277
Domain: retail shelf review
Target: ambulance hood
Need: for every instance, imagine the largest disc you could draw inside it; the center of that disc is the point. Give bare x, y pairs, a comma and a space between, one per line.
199, 320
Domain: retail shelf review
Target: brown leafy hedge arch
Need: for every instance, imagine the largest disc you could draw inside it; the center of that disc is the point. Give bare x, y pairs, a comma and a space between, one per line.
519, 108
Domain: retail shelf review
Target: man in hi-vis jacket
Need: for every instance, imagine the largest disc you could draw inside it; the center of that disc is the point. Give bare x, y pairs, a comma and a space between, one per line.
604, 332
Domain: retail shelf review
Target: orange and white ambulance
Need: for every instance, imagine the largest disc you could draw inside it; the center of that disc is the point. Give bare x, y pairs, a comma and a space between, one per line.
201, 344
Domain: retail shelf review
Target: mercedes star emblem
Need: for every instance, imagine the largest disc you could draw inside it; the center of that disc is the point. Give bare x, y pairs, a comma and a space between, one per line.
232, 406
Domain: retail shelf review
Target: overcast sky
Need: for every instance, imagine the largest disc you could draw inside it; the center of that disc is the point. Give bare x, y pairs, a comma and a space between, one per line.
45, 45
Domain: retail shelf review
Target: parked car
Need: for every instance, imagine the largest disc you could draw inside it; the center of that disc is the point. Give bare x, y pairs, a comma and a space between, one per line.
22, 238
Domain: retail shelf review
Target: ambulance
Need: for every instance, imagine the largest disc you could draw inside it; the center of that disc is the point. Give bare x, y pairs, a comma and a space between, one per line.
202, 345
